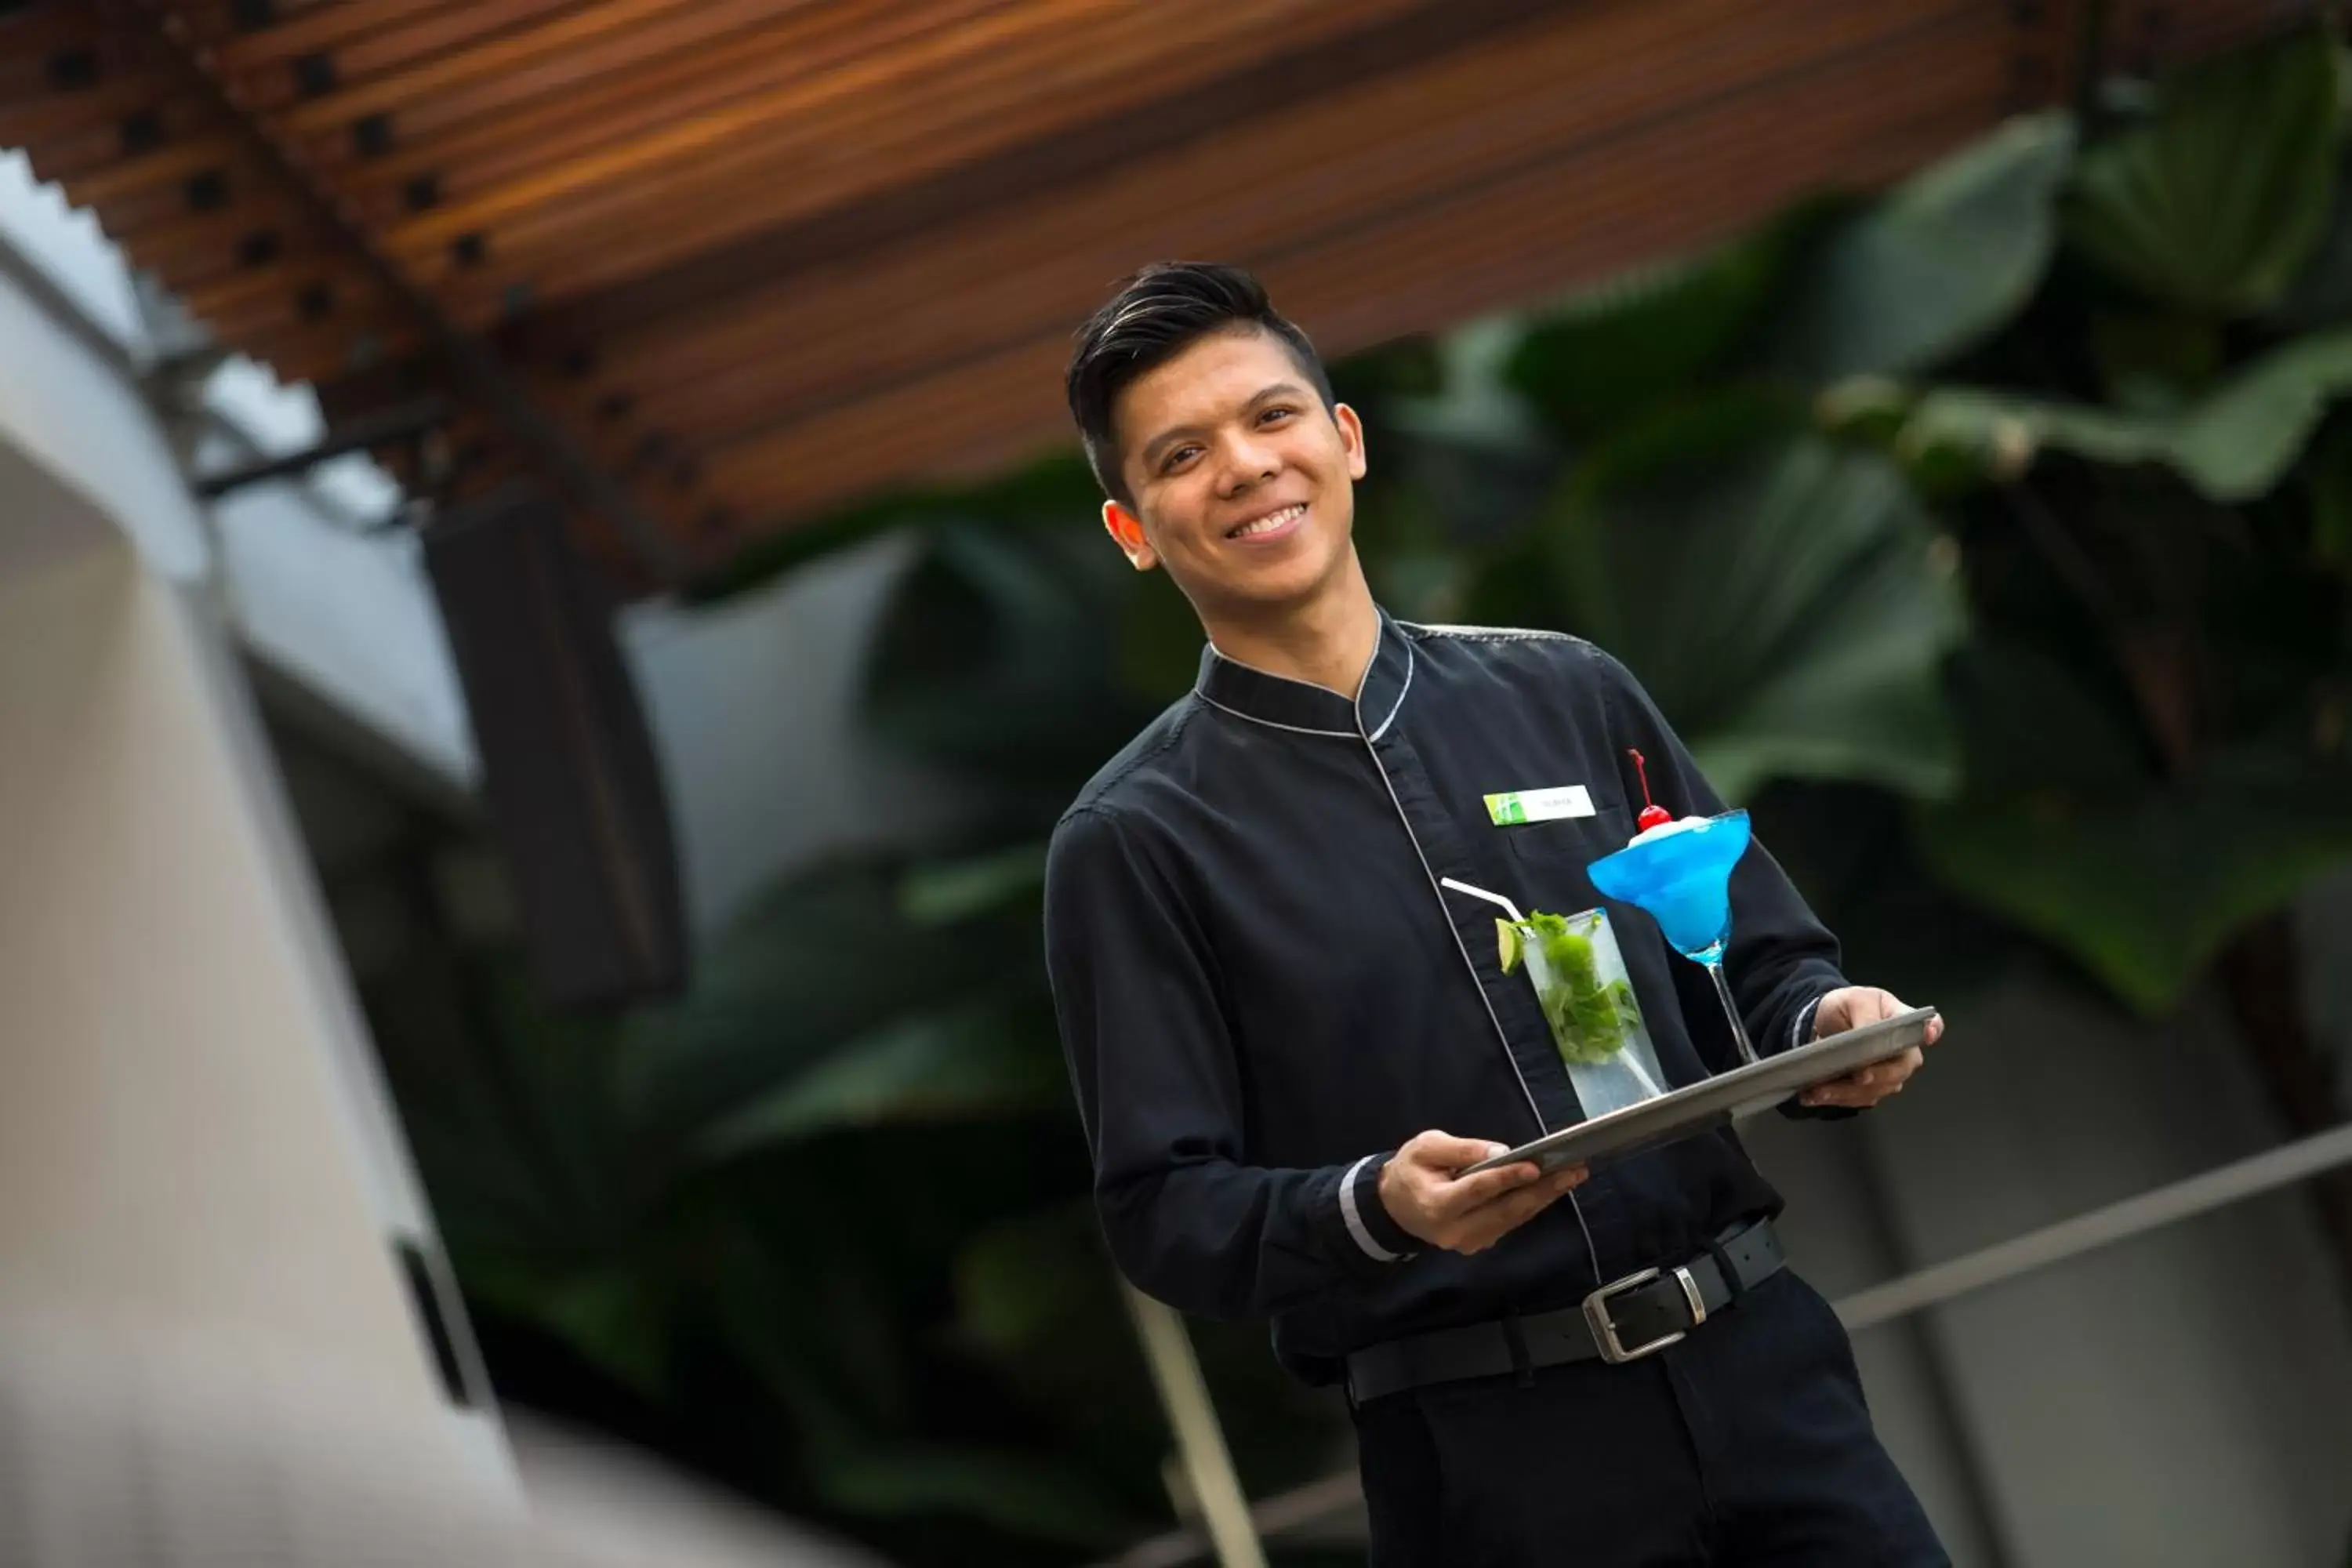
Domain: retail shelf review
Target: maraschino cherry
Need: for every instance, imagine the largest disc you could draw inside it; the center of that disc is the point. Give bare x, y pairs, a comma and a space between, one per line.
1653, 813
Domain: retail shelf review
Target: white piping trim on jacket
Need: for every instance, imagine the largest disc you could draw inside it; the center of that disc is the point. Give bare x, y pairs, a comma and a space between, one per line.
1294, 729
1398, 707
1804, 1021
1349, 1212
1491, 634
1502, 1037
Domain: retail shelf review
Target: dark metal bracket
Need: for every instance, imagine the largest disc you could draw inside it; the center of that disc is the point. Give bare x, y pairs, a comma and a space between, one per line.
400, 423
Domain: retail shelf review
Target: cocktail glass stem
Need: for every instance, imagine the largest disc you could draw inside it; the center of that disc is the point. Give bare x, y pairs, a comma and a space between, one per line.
1730, 1008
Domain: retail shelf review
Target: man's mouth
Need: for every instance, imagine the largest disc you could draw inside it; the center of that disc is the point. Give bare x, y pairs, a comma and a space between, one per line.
1272, 522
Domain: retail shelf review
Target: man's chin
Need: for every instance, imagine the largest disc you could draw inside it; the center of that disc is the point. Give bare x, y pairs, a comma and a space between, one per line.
1267, 592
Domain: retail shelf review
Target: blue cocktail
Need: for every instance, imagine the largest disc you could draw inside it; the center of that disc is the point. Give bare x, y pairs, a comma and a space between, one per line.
1682, 879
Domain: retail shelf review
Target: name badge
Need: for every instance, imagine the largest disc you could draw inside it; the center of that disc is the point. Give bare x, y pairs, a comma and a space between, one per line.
1538, 804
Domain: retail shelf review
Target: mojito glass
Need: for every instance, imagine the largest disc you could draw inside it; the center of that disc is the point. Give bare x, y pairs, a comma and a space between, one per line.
1588, 1000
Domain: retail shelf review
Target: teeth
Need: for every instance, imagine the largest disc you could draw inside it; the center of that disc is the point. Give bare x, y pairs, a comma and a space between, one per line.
1269, 522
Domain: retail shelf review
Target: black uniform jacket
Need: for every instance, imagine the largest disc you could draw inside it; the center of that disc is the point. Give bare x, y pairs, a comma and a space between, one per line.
1263, 989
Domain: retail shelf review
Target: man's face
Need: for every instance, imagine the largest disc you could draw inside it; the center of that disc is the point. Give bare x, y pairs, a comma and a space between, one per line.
1243, 481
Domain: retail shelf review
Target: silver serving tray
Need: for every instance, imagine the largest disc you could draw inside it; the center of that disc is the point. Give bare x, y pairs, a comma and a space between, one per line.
1723, 1099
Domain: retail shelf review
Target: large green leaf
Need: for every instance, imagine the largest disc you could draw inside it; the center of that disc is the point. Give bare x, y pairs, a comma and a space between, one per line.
1474, 401
1056, 490
942, 892
2322, 296
2144, 890
2233, 445
1044, 1496
1452, 470
856, 1456
983, 1058
2329, 478
1605, 354
2216, 203
824, 960
1948, 255
1000, 654
1781, 599
2068, 829
1037, 1300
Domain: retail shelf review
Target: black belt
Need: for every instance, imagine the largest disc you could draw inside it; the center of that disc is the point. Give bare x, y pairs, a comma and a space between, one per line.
1623, 1320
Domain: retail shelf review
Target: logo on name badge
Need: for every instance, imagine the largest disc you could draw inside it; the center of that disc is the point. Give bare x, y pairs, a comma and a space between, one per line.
1538, 804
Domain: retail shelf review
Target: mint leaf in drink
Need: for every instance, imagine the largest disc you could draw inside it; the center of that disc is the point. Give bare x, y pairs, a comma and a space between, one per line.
1590, 1017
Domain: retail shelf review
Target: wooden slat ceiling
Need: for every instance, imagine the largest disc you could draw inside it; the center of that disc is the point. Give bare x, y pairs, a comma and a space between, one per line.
721, 265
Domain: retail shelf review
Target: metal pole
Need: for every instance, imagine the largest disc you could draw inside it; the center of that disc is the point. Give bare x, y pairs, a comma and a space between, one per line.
2165, 1206
2085, 1233
1199, 1441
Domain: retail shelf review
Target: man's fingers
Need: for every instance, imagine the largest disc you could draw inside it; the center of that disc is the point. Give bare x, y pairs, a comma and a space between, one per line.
1490, 1223
1857, 1092
1460, 1198
1866, 1086
1445, 1151
1478, 1227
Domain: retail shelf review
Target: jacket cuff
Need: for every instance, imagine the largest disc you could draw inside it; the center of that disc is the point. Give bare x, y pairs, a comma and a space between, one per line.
1801, 1032
1375, 1234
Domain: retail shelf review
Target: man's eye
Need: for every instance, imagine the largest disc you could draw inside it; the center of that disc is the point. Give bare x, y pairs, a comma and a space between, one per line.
1177, 458
1278, 412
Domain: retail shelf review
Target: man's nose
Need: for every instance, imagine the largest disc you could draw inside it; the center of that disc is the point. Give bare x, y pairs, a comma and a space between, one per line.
1247, 462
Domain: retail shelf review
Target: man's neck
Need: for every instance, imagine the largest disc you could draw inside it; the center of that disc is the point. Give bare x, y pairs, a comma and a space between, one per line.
1327, 641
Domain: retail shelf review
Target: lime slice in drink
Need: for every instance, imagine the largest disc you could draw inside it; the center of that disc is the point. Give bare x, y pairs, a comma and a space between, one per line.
1506, 944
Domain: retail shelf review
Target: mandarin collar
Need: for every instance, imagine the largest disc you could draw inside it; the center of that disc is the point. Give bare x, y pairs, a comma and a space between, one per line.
1285, 704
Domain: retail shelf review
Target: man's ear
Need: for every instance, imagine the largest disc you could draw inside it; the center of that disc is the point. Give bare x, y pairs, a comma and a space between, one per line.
1351, 436
1125, 531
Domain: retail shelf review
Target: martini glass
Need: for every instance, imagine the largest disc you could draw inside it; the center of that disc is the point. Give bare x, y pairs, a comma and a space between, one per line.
1683, 880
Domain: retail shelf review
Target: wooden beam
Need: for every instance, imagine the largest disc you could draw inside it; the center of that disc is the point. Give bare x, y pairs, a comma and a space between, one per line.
1089, 149
485, 378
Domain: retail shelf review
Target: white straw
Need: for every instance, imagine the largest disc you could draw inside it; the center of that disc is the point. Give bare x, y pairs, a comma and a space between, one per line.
1634, 1066
1507, 906
1512, 910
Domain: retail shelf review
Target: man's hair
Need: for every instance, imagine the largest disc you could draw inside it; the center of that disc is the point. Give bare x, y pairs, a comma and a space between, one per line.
1156, 315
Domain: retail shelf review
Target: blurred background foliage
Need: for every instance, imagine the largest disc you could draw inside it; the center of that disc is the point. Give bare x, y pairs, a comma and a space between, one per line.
1991, 538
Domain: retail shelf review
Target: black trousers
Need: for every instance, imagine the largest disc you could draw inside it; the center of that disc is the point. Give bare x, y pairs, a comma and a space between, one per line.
1749, 1442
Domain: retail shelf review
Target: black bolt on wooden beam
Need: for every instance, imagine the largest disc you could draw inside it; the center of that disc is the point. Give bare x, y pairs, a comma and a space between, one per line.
372, 135
73, 71
141, 133
314, 75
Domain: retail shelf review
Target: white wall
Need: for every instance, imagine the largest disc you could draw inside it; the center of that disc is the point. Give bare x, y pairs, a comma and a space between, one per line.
752, 705
191, 1130
170, 1136
2182, 1400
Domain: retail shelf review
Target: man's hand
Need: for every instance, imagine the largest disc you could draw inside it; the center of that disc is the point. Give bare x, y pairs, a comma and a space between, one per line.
1465, 1214
1850, 1007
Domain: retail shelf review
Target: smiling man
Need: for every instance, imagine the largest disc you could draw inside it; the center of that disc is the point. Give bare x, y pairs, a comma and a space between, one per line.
1287, 1037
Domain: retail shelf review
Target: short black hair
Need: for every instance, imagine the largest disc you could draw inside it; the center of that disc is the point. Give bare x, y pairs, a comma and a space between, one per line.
1154, 316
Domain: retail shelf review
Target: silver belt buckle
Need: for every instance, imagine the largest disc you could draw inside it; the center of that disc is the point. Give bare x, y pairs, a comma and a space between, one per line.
1604, 1328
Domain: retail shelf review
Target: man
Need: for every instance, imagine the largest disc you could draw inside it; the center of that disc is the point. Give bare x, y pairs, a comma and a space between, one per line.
1287, 1037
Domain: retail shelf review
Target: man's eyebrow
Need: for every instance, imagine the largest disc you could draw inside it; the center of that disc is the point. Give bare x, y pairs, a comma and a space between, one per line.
1161, 442
1158, 444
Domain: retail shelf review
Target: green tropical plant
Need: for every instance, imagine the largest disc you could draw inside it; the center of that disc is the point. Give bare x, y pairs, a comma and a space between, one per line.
1992, 539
